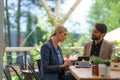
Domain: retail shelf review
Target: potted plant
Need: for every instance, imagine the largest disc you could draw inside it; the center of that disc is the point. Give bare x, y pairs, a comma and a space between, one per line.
115, 59
96, 61
115, 63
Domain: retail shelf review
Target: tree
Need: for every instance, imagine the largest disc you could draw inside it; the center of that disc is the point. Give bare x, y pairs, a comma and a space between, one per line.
30, 39
15, 17
18, 22
105, 11
8, 40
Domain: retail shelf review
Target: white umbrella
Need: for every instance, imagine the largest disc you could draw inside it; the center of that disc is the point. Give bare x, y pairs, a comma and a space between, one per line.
113, 35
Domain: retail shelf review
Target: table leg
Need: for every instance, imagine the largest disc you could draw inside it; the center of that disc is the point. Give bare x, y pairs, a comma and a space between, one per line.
27, 77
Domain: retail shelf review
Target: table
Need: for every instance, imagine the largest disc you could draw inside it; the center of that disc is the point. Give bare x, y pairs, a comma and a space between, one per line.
72, 59
86, 74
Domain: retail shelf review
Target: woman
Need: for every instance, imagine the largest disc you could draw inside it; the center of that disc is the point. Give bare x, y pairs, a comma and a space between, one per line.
52, 62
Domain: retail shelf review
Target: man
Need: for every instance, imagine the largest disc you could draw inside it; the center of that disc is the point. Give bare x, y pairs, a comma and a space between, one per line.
99, 47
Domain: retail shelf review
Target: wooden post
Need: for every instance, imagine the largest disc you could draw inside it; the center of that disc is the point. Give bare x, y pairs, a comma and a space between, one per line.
57, 10
70, 11
1, 37
50, 14
55, 21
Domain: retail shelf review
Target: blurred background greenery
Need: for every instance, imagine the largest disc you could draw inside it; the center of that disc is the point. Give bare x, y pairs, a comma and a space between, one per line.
27, 24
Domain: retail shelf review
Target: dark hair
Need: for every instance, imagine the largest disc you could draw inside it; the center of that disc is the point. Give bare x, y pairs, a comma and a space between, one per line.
101, 27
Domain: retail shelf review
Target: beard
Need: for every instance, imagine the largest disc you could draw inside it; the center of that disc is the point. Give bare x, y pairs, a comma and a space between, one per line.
95, 37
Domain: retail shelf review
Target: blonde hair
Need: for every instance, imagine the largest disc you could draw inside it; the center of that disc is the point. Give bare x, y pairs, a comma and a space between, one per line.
58, 29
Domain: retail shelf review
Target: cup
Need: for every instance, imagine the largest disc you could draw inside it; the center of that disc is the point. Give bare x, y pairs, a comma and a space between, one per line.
102, 70
95, 70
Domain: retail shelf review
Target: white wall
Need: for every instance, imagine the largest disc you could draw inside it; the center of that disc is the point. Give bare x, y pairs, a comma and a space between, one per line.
1, 37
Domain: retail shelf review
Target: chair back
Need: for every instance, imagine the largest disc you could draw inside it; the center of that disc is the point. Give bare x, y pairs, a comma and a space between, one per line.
35, 74
39, 64
7, 72
21, 61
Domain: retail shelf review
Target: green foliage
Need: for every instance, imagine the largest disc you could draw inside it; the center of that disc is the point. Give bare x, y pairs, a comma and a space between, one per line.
36, 55
15, 78
97, 60
30, 39
116, 59
70, 42
105, 11
42, 33
83, 38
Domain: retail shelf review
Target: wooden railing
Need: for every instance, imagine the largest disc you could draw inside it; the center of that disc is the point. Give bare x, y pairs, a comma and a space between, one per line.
20, 49
28, 49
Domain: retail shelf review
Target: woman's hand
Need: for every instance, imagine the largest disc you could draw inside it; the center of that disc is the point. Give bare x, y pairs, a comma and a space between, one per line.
67, 63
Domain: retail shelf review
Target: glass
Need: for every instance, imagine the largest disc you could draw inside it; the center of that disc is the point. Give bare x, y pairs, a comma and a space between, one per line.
102, 70
67, 56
